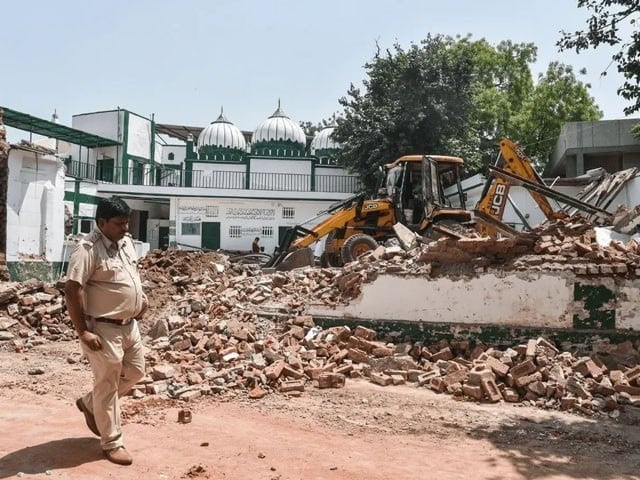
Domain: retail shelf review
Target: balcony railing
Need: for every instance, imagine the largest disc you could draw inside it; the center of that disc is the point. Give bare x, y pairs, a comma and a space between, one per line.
80, 169
337, 183
282, 182
225, 180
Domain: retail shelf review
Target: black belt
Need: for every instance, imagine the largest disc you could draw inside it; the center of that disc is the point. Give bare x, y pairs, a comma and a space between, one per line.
113, 321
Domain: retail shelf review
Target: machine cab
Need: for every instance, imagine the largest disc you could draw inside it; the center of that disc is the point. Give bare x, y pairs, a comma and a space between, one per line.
415, 185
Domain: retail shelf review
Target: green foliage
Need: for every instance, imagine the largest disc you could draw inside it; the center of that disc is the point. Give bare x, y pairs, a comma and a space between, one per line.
635, 131
413, 101
310, 128
456, 97
606, 26
559, 97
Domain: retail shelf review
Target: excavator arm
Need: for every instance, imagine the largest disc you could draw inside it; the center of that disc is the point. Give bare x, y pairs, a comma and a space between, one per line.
495, 194
299, 237
517, 170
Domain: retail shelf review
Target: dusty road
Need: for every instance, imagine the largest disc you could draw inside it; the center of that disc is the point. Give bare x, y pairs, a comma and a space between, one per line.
360, 432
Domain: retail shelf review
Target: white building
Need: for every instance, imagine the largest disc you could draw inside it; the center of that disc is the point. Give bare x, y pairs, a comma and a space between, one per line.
35, 217
219, 192
232, 186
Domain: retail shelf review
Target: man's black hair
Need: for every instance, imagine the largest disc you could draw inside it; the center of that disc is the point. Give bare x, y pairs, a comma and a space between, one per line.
257, 239
109, 208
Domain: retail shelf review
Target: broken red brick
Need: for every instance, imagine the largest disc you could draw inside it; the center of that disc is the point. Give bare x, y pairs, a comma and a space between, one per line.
527, 379
490, 389
292, 385
365, 333
331, 380
473, 391
381, 379
522, 369
274, 371
444, 354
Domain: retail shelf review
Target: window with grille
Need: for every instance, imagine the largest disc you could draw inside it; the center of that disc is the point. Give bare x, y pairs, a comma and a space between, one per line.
190, 229
288, 212
267, 232
235, 231
212, 210
86, 226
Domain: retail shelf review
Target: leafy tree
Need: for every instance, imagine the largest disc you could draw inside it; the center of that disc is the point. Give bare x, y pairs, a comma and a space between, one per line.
608, 20
310, 129
502, 83
412, 102
559, 97
458, 97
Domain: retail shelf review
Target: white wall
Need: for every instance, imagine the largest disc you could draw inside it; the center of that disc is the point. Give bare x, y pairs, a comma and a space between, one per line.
250, 215
525, 299
35, 212
104, 124
331, 171
264, 165
139, 139
629, 196
179, 154
153, 232
219, 167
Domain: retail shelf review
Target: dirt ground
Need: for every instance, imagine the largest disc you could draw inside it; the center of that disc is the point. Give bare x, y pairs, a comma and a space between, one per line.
360, 432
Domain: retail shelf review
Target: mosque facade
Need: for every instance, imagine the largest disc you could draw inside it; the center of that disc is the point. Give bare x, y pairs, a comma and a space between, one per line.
216, 187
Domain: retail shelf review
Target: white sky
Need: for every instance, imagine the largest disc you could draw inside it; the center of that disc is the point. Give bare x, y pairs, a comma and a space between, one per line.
183, 60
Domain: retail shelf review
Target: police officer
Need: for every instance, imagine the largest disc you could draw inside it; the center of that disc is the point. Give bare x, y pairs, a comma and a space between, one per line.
104, 297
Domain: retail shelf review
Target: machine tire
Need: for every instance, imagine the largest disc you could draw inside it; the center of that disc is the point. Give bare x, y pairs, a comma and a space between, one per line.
356, 245
330, 260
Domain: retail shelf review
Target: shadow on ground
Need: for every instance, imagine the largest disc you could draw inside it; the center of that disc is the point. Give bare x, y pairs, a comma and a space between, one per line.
53, 455
580, 448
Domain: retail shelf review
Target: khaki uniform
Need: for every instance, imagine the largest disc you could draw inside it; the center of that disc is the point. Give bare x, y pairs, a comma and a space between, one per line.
108, 273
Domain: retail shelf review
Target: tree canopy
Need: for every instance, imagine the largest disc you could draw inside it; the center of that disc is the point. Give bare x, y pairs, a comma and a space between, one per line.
457, 97
608, 24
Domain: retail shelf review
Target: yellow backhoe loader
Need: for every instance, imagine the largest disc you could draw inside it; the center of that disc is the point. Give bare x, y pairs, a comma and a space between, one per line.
411, 192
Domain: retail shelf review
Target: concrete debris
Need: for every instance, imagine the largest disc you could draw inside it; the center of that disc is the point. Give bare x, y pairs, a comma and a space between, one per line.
184, 416
222, 328
284, 358
32, 313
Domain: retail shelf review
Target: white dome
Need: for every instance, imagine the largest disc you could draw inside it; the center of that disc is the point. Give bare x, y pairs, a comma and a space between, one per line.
222, 133
278, 127
322, 140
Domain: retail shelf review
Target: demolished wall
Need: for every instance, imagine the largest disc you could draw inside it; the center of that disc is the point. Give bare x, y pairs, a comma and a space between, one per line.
512, 300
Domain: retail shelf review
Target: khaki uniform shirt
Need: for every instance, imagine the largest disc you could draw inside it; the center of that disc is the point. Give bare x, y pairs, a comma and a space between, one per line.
108, 273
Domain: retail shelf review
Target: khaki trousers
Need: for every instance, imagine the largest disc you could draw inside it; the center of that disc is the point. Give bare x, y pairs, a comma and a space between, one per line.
117, 367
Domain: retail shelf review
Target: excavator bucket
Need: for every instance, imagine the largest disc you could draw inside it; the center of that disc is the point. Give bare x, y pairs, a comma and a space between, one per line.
301, 257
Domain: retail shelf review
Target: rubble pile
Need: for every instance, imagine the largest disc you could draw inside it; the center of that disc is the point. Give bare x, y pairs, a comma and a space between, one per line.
571, 246
563, 245
229, 328
164, 274
194, 356
32, 313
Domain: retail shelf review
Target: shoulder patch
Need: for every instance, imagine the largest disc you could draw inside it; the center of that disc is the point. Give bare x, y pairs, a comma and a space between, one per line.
90, 239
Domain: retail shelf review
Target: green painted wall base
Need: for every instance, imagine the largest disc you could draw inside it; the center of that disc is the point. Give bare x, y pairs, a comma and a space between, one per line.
41, 270
490, 334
